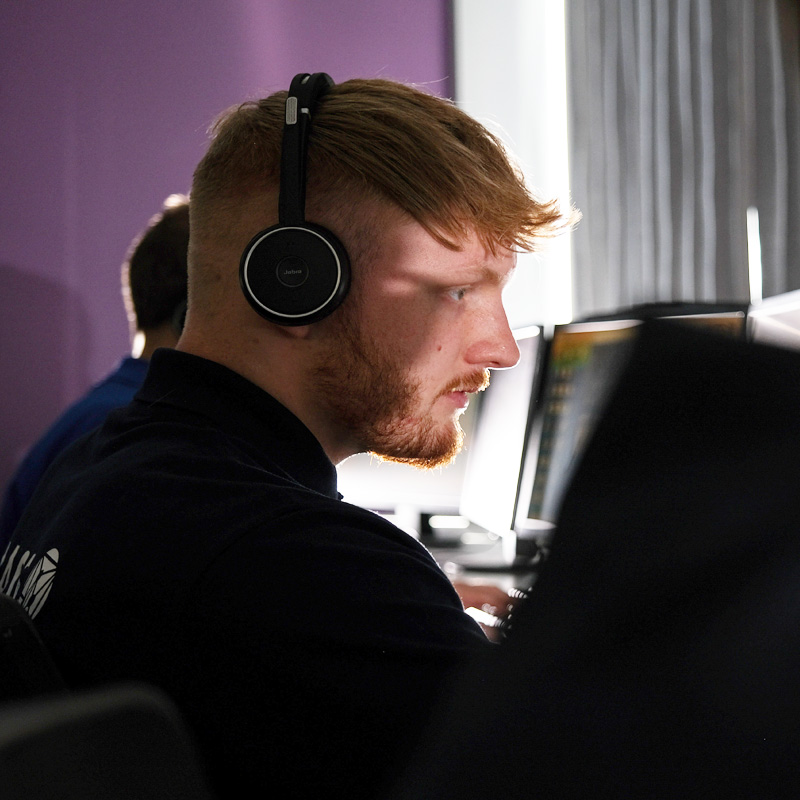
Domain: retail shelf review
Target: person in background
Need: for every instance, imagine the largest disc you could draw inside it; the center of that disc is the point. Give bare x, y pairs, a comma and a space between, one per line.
197, 540
154, 292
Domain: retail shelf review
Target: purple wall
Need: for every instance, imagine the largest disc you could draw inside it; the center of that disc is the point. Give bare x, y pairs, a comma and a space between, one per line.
104, 110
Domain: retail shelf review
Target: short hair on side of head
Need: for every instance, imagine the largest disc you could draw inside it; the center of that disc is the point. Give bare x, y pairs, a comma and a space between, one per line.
155, 268
375, 144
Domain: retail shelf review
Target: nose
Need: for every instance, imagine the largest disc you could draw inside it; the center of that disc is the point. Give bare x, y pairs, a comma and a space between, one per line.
494, 346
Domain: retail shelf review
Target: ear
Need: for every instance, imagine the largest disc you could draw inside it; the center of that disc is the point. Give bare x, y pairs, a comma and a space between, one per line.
293, 331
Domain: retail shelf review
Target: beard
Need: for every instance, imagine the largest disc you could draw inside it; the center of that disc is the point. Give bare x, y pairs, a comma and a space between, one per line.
372, 397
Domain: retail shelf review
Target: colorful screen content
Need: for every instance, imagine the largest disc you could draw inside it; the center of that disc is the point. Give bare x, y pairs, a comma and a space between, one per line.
584, 361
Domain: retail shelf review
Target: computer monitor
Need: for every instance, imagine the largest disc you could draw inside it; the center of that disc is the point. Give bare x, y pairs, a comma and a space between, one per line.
494, 451
583, 362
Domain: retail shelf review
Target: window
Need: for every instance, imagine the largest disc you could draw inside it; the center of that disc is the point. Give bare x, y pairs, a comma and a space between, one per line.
510, 73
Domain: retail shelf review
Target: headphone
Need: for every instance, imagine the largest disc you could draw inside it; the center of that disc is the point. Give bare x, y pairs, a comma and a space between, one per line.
295, 272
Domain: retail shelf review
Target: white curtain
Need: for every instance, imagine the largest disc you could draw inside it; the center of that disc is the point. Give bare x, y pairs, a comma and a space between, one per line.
683, 114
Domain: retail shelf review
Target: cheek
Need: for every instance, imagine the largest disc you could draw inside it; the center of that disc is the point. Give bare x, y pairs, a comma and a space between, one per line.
406, 341
412, 330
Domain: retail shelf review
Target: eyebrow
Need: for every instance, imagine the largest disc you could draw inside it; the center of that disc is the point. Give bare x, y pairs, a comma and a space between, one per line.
488, 275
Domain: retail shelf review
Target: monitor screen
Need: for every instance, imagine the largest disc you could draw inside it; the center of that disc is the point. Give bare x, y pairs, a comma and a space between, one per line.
582, 362
582, 365
494, 450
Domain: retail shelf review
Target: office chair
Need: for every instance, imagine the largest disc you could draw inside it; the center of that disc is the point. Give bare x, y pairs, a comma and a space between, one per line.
26, 668
123, 741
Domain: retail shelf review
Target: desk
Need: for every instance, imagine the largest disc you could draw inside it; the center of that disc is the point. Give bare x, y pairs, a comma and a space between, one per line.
479, 557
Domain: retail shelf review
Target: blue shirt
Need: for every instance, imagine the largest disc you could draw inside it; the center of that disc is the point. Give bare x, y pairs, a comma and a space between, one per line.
116, 390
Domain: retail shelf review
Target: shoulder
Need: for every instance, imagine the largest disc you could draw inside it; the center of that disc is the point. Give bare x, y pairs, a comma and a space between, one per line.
345, 576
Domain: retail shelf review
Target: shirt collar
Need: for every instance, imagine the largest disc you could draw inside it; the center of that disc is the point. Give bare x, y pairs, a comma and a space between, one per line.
242, 410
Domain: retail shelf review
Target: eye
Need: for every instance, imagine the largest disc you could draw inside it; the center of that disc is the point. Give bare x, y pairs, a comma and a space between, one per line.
458, 293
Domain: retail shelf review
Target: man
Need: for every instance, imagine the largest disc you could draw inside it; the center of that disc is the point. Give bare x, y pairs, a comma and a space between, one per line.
197, 540
154, 291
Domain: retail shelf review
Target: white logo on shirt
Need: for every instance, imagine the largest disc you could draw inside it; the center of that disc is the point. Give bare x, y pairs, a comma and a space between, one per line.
28, 578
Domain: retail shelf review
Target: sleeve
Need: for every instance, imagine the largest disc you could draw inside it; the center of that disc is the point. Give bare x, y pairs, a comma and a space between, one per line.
328, 643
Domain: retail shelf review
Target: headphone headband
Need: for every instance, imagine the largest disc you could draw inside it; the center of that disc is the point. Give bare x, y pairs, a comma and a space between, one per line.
304, 94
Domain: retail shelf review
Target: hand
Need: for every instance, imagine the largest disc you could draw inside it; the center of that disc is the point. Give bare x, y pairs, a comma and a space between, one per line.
492, 604
486, 597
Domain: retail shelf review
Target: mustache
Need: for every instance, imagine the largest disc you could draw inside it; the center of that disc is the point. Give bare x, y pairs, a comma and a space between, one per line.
474, 382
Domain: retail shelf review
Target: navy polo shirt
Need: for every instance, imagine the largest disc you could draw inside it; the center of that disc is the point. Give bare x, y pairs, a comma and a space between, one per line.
197, 541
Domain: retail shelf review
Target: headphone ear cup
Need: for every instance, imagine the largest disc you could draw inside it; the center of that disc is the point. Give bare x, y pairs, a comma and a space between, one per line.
295, 274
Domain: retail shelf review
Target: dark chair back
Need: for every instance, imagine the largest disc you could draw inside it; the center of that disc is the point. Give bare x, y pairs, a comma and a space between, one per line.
26, 667
123, 741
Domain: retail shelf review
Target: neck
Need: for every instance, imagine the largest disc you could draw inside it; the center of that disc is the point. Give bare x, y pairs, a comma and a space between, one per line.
146, 342
278, 360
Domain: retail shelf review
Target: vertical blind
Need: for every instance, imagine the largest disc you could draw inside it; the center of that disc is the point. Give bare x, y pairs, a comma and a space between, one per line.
683, 114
